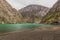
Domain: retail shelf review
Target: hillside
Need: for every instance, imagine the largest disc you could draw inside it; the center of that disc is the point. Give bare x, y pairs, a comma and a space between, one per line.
33, 13
8, 14
53, 16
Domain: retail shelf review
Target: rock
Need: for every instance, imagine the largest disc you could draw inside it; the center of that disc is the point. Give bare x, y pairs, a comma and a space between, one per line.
8, 14
53, 14
33, 13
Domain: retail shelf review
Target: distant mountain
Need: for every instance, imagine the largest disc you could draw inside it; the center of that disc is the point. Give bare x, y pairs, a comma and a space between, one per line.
53, 16
33, 13
8, 14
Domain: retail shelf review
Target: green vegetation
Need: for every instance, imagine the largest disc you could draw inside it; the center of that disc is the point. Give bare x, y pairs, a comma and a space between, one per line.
52, 17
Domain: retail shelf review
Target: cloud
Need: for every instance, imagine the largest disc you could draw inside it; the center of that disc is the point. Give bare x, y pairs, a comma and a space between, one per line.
48, 3
18, 4
15, 4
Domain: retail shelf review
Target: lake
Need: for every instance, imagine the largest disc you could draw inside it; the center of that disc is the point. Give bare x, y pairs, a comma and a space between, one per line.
16, 27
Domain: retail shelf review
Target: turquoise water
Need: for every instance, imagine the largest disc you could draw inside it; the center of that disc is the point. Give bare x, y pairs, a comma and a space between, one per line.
14, 27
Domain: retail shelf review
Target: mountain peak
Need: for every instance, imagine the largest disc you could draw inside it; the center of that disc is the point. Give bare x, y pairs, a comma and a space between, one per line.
35, 10
34, 7
53, 15
7, 13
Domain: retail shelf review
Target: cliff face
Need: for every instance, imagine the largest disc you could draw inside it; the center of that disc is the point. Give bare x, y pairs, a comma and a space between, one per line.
8, 14
53, 15
33, 13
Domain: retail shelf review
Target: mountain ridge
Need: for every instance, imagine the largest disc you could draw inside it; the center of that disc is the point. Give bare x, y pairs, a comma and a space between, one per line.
53, 15
33, 11
8, 14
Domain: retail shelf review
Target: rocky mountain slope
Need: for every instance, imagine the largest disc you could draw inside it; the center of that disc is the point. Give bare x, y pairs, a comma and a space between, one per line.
53, 16
8, 14
33, 12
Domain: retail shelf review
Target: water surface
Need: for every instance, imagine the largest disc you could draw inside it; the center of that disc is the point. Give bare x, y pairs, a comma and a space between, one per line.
14, 27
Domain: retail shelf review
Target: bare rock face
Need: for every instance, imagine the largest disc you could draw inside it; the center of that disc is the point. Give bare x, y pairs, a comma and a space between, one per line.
53, 16
33, 13
8, 14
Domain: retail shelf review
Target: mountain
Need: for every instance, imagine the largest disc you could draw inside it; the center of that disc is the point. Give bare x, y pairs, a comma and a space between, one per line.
33, 13
8, 14
53, 16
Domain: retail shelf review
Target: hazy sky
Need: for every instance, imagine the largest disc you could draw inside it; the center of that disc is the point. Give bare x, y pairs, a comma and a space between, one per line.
18, 4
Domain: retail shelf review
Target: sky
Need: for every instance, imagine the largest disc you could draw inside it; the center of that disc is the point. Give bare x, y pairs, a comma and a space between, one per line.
18, 4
